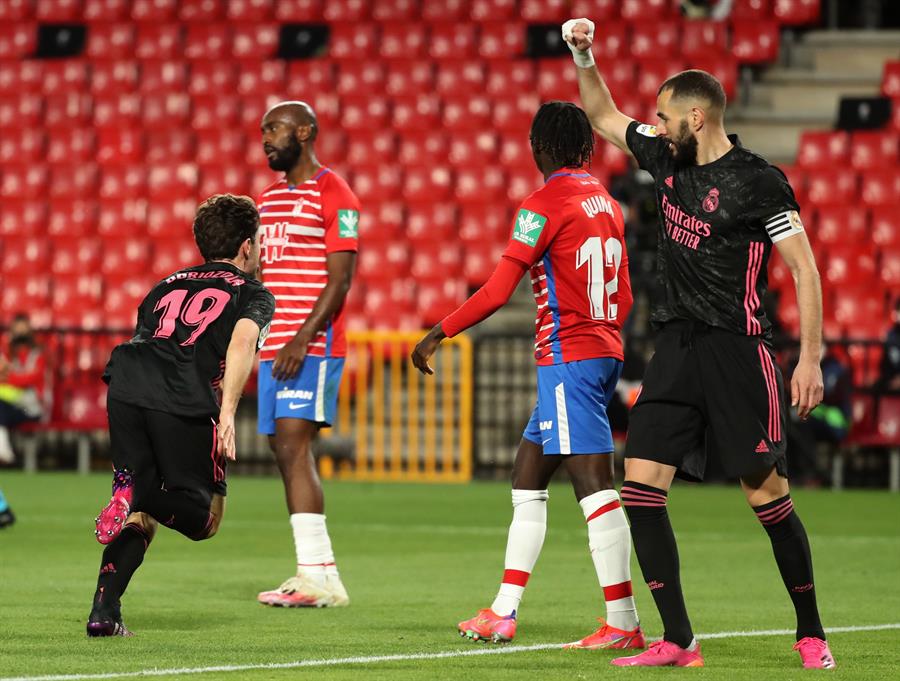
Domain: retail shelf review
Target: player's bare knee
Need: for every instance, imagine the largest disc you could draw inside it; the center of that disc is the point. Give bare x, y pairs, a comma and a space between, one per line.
764, 487
144, 523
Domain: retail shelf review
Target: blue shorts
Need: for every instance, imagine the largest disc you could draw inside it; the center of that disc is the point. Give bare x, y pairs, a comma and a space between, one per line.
312, 394
570, 414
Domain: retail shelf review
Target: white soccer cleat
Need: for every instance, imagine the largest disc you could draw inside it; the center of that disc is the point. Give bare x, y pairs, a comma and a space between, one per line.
303, 592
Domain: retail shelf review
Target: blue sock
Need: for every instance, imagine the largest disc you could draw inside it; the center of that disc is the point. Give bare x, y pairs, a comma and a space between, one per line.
3, 505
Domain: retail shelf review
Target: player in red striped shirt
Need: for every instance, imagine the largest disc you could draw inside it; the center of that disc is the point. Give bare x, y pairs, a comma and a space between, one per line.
309, 220
570, 235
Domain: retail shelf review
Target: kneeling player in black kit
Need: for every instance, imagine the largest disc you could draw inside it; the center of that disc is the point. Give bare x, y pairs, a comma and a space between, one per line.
197, 335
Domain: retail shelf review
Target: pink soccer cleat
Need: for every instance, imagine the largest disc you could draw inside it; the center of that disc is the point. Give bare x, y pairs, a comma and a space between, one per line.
815, 653
489, 626
303, 592
112, 518
607, 637
663, 654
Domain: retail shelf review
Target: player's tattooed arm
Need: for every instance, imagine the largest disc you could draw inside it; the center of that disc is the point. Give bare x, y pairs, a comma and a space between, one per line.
806, 384
340, 266
605, 118
238, 363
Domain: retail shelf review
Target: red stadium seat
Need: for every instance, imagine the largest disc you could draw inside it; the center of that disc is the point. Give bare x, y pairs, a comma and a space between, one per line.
201, 11
417, 147
75, 256
331, 149
255, 41
797, 12
159, 41
18, 111
74, 181
431, 222
164, 76
177, 254
513, 114
655, 40
859, 313
24, 181
387, 219
122, 181
521, 182
378, 182
467, 113
122, 217
169, 145
651, 73
889, 272
152, 11
68, 75
823, 148
261, 78
78, 287
597, 10
125, 257
28, 146
383, 260
397, 10
366, 146
850, 265
255, 11
25, 255
171, 219
385, 309
751, 10
109, 78
890, 79
643, 10
300, 11
122, 109
402, 41
168, 181
167, 111
704, 38
72, 109
219, 179
359, 43
16, 10
798, 179
101, 11
427, 183
544, 11
515, 151
473, 148
226, 146
219, 113
403, 78
110, 41
557, 79
885, 223
72, 218
501, 40
416, 112
449, 10
481, 223
58, 11
832, 184
455, 76
480, 261
480, 184
453, 41
208, 41
350, 11
17, 40
874, 149
508, 76
722, 66
754, 42
361, 112
214, 78
612, 42
840, 223
31, 293
492, 10
312, 75
437, 299
880, 186
360, 78
22, 216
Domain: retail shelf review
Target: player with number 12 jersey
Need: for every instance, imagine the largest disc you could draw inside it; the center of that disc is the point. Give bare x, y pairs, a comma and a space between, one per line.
569, 236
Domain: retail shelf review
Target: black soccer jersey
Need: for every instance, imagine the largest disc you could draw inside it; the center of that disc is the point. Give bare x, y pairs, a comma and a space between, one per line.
176, 359
717, 224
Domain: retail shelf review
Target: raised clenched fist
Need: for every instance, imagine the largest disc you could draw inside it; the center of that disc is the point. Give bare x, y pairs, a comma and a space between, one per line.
579, 33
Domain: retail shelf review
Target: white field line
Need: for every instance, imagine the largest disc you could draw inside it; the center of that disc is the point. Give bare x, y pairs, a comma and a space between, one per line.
374, 659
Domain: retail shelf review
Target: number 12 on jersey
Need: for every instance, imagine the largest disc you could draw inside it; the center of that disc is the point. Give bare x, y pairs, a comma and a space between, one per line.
599, 255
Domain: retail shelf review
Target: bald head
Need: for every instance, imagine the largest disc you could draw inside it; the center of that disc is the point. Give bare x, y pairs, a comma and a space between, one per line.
288, 128
295, 114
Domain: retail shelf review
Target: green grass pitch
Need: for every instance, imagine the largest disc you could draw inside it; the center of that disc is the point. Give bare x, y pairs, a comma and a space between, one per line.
416, 559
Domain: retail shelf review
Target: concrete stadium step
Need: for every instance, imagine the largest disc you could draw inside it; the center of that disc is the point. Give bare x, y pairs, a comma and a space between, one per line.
849, 53
809, 93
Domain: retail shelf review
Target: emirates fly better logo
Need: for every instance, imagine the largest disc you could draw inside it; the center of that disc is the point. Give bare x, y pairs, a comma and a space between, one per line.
529, 227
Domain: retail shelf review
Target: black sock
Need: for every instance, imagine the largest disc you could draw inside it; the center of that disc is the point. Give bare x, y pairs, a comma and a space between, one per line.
654, 544
178, 510
791, 548
121, 558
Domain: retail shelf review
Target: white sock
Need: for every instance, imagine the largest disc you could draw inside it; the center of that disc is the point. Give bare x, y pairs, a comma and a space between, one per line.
6, 451
315, 558
610, 542
523, 546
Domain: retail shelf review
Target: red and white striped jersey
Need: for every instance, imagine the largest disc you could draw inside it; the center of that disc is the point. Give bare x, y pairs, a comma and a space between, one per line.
300, 226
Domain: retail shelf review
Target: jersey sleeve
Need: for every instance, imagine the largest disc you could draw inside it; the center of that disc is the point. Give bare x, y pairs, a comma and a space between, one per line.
260, 309
340, 210
532, 230
773, 205
649, 150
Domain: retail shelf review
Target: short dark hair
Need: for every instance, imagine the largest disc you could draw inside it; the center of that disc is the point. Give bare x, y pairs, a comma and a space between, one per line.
223, 222
698, 84
562, 131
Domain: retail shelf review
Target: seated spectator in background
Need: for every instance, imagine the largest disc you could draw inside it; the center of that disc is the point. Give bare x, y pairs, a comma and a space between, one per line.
22, 382
889, 373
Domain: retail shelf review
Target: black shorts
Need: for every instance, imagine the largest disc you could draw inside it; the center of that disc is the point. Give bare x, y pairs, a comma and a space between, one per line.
708, 392
166, 451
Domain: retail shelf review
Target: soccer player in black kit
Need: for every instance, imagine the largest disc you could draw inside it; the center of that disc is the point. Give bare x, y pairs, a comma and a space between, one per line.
712, 387
173, 391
